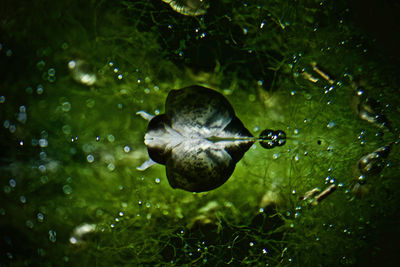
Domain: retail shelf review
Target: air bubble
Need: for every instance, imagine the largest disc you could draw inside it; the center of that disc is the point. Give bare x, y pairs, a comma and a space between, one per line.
42, 168
40, 217
29, 224
12, 183
66, 129
51, 72
7, 189
331, 124
22, 199
43, 142
67, 189
90, 158
43, 155
66, 106
52, 236
111, 167
39, 89
110, 138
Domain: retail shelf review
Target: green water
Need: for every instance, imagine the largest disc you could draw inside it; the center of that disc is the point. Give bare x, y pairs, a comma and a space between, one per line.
73, 75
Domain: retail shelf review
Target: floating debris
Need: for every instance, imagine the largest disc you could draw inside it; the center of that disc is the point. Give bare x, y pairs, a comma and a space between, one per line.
368, 166
200, 139
81, 232
189, 7
322, 73
206, 217
310, 194
312, 197
324, 194
82, 72
368, 109
373, 163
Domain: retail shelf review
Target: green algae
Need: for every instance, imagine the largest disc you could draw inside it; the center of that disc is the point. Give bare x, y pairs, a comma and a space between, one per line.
81, 144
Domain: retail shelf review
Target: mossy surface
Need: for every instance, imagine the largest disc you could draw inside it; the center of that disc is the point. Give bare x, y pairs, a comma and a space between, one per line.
72, 161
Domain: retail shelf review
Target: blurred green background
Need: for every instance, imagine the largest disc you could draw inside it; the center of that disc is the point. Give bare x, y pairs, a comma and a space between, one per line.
73, 75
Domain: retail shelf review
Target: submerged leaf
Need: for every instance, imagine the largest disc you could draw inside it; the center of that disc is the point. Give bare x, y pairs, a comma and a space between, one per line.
199, 139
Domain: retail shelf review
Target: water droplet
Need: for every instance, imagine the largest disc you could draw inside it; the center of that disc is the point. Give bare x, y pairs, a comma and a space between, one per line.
251, 244
2, 99
127, 149
157, 180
